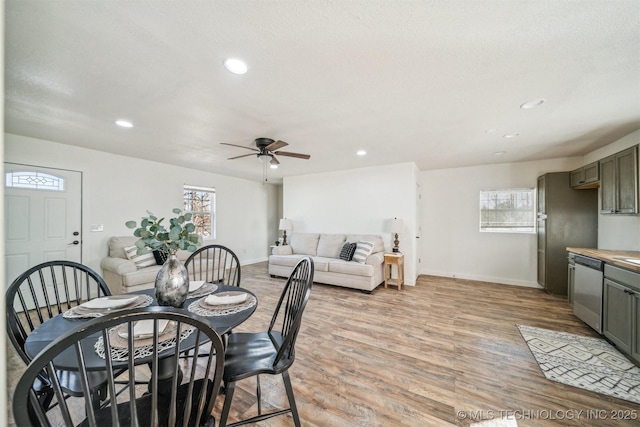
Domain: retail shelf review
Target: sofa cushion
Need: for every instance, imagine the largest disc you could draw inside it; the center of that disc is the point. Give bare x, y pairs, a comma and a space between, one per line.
363, 250
353, 268
330, 245
118, 243
285, 260
346, 254
378, 243
144, 275
304, 243
141, 261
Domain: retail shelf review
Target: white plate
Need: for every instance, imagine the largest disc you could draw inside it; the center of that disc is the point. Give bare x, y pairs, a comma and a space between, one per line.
194, 285
110, 302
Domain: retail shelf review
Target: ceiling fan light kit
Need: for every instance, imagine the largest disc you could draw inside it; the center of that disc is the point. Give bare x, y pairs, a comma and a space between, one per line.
266, 152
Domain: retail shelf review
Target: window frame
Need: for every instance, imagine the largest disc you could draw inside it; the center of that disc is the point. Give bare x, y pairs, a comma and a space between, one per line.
187, 208
530, 227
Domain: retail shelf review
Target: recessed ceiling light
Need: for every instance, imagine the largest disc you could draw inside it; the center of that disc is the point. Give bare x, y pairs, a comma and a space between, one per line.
511, 135
361, 153
273, 166
533, 104
235, 65
499, 153
124, 123
490, 130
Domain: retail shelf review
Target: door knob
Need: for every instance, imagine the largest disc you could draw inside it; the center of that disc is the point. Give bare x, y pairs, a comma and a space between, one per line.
75, 242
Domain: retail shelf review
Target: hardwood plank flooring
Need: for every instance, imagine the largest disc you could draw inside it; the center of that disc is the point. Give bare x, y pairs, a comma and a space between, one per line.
419, 357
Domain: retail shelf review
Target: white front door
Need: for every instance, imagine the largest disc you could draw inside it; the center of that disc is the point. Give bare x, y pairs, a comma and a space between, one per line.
43, 217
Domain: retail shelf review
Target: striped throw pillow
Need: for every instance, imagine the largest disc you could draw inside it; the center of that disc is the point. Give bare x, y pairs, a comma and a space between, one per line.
141, 261
363, 250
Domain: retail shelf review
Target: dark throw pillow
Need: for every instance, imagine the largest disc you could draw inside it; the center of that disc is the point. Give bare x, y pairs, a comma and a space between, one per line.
347, 251
160, 257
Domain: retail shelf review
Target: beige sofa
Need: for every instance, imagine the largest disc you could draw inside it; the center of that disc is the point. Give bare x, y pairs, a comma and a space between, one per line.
329, 268
121, 274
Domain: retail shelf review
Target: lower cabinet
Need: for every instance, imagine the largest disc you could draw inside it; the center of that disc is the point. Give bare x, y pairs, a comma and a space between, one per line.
621, 310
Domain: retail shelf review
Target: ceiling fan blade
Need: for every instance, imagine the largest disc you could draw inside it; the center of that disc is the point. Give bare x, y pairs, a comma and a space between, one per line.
288, 154
238, 157
275, 145
240, 146
274, 161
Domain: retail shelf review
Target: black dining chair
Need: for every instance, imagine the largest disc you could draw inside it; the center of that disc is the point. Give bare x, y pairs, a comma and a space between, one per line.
185, 397
271, 352
45, 291
214, 264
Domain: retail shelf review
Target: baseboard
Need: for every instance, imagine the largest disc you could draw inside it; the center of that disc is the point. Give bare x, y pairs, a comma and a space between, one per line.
488, 279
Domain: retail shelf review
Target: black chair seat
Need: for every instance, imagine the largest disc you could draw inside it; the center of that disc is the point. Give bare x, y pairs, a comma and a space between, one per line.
249, 354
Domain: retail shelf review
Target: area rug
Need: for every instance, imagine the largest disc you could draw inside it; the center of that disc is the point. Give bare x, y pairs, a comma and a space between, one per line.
588, 363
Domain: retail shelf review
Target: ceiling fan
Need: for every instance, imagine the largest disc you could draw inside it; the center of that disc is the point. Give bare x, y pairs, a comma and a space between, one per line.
266, 151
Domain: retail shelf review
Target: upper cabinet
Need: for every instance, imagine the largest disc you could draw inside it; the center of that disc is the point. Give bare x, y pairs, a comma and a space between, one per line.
586, 177
619, 183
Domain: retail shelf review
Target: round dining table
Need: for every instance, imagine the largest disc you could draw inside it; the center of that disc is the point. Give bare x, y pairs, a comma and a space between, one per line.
49, 331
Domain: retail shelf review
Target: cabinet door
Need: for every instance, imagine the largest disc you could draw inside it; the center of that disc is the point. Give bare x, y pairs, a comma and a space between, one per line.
591, 173
617, 322
635, 351
577, 178
608, 185
627, 181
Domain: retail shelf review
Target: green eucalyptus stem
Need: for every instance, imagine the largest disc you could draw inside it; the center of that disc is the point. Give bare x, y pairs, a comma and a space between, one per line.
154, 236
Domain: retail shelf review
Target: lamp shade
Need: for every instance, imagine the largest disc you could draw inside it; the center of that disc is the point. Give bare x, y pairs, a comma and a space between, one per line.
396, 225
285, 224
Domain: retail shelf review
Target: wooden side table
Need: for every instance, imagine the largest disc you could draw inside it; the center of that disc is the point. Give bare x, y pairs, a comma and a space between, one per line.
397, 259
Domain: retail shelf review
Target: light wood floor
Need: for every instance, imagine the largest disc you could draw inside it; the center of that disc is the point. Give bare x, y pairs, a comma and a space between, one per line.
445, 352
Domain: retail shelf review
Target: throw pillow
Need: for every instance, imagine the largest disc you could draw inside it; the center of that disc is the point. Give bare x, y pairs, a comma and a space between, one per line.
347, 251
363, 250
160, 256
141, 261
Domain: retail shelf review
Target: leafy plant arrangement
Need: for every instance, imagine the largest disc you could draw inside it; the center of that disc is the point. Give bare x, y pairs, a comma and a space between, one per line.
153, 235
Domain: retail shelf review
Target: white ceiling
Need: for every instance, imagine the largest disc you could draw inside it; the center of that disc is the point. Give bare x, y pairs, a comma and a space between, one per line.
407, 81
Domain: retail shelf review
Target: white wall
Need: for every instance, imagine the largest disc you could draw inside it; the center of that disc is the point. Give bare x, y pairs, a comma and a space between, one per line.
617, 231
358, 201
117, 189
452, 246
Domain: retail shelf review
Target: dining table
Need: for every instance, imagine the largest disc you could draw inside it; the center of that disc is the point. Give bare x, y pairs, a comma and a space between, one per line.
222, 320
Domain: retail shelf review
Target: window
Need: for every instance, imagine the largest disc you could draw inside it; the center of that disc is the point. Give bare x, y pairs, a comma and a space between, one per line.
508, 211
201, 203
34, 180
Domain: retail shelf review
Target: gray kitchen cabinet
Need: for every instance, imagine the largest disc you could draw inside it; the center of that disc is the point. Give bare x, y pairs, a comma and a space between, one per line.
621, 309
586, 177
619, 183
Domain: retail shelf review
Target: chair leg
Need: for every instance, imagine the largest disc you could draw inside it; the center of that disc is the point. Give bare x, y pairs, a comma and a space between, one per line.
230, 388
259, 394
292, 399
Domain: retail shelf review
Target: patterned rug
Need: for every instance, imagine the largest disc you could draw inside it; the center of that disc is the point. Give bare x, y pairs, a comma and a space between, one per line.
588, 363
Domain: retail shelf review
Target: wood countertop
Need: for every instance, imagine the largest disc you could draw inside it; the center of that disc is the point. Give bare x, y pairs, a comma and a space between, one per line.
610, 257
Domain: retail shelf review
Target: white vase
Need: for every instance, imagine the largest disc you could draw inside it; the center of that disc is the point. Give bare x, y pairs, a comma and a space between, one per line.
172, 283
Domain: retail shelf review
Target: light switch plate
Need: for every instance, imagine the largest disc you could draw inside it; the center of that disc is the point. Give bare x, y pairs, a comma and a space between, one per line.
97, 227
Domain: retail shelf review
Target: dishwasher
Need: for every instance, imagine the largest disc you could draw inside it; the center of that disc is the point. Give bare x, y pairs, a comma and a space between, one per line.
587, 291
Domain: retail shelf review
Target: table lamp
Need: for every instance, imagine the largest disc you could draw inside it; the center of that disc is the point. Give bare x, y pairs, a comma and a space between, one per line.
285, 224
395, 228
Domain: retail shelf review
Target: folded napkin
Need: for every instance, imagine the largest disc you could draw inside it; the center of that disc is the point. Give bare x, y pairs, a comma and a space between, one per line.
110, 302
194, 285
229, 298
144, 328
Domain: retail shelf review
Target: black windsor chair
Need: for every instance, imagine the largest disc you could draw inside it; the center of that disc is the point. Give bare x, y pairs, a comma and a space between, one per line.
214, 264
45, 291
187, 398
271, 352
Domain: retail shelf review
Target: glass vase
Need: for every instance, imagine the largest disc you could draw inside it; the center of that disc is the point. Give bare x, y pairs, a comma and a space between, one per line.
172, 283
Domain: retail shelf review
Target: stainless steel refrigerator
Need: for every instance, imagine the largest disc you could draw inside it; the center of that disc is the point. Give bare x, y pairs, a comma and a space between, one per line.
566, 218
